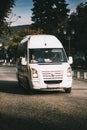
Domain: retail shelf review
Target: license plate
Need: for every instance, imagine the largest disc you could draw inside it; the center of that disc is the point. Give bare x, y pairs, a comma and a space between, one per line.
53, 86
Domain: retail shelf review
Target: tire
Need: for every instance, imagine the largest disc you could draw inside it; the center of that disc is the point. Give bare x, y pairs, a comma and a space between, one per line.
67, 90
19, 84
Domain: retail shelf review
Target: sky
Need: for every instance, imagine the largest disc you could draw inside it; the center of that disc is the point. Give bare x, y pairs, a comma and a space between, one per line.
23, 8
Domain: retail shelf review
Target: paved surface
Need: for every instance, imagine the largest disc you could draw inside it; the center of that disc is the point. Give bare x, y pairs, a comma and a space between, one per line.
20, 110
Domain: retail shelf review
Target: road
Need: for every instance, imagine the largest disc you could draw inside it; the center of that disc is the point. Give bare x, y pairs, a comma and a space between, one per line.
20, 110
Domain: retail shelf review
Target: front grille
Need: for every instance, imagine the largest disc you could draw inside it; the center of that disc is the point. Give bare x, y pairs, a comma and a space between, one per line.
52, 75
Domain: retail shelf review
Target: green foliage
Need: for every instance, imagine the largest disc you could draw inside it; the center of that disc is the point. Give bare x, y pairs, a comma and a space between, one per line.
79, 23
5, 9
48, 14
52, 16
17, 34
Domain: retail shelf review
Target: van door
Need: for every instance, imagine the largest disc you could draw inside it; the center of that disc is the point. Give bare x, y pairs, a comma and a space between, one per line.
23, 75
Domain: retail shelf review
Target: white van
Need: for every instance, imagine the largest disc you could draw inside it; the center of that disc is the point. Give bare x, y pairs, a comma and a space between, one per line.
42, 64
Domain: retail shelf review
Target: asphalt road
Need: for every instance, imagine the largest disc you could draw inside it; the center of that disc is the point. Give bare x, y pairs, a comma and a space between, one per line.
21, 110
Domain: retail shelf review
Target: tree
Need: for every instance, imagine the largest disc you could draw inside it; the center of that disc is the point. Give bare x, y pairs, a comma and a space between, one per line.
5, 9
82, 24
79, 22
48, 14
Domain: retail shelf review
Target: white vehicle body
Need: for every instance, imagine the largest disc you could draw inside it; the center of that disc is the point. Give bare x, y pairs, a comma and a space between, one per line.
49, 73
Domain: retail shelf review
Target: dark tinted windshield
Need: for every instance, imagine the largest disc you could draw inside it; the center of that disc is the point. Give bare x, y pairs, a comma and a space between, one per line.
54, 55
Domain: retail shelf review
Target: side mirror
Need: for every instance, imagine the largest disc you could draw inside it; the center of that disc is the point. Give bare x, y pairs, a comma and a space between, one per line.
70, 60
23, 61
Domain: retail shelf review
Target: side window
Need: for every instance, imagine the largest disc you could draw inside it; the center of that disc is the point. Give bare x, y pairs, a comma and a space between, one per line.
22, 50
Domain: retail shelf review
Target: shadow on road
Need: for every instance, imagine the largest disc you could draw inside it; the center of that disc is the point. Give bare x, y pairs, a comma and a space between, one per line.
13, 122
8, 122
13, 87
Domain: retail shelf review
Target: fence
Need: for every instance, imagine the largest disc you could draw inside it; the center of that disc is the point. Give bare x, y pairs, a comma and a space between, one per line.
80, 74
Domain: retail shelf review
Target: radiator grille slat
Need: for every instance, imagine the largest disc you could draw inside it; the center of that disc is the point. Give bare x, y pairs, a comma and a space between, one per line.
52, 75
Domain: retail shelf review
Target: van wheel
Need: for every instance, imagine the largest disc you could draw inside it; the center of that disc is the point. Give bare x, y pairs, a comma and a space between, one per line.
67, 90
28, 85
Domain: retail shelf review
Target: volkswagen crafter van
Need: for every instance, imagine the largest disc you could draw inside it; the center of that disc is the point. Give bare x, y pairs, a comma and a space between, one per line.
42, 64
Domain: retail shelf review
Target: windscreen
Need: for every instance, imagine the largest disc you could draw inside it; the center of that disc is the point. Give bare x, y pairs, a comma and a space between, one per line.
52, 55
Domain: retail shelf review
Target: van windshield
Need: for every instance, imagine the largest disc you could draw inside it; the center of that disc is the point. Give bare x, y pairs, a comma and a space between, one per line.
51, 55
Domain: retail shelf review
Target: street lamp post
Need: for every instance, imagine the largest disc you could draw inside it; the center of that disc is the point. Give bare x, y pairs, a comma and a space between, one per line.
69, 37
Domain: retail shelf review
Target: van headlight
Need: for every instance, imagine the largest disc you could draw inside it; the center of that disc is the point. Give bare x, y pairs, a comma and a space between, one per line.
34, 73
69, 72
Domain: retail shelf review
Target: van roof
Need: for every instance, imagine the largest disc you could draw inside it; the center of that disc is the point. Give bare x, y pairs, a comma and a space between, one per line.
42, 41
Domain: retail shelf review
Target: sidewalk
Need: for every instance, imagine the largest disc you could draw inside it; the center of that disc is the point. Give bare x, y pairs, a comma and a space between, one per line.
7, 64
79, 84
